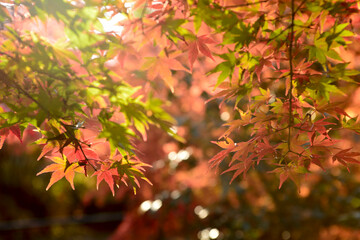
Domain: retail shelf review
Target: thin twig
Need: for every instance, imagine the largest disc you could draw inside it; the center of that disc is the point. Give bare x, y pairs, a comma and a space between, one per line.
291, 73
245, 4
298, 8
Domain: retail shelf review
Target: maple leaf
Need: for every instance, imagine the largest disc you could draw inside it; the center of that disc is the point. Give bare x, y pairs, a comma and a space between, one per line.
233, 125
129, 170
199, 45
344, 157
264, 148
341, 112
315, 159
77, 154
259, 68
121, 168
67, 138
244, 153
193, 53
69, 145
283, 176
242, 167
321, 141
333, 108
106, 173
4, 133
162, 66
228, 143
61, 168
239, 168
219, 157
289, 172
319, 126
241, 150
46, 149
80, 153
231, 91
16, 131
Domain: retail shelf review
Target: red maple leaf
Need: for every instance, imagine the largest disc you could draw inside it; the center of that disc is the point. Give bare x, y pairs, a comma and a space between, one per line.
78, 154
283, 176
218, 158
264, 148
316, 159
239, 168
199, 45
228, 145
4, 133
344, 157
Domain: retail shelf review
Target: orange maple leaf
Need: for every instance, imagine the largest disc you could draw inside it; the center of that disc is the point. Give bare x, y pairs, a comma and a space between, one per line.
61, 168
161, 66
106, 173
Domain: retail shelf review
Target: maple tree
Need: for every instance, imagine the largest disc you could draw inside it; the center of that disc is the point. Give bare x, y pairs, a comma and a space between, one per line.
278, 63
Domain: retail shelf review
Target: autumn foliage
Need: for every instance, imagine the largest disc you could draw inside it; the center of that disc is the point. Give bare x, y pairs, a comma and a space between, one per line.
91, 93
237, 118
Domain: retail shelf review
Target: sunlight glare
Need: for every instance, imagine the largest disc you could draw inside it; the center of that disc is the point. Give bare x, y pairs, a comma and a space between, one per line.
145, 206
214, 233
225, 116
156, 205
